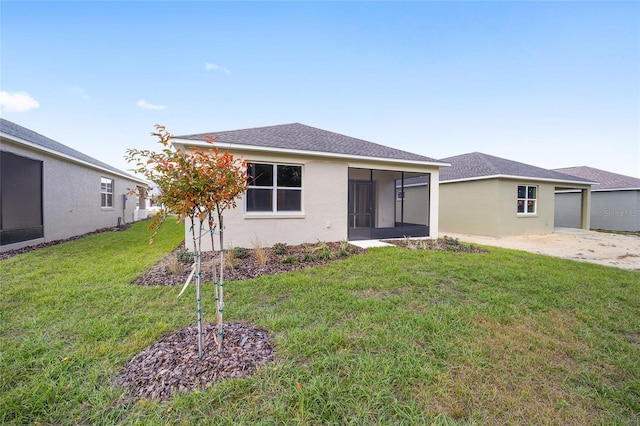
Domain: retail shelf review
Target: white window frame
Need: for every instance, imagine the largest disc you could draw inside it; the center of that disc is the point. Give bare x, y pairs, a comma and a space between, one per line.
274, 187
525, 201
106, 189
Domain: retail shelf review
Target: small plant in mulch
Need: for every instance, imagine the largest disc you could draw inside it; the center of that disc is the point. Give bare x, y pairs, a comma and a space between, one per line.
445, 243
175, 266
241, 252
280, 249
184, 255
323, 251
308, 257
289, 259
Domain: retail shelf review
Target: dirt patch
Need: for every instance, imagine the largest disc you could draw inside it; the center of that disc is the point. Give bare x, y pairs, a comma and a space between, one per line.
620, 251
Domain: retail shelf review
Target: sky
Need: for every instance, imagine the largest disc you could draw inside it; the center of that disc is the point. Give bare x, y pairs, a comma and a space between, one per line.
551, 84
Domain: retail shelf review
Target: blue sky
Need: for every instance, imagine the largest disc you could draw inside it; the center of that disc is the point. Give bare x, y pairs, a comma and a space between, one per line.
553, 84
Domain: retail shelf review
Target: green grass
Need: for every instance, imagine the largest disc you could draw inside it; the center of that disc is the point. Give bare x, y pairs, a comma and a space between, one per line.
390, 337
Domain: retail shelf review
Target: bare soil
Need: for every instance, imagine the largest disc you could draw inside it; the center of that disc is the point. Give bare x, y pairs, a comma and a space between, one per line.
610, 249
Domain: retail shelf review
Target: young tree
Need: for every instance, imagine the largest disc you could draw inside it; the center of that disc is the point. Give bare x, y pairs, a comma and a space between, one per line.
197, 185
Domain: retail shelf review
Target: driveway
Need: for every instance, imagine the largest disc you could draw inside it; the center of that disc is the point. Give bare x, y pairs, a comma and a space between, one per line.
621, 251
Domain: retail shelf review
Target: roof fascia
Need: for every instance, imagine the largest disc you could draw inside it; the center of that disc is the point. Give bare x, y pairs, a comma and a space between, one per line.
237, 147
572, 182
615, 189
37, 147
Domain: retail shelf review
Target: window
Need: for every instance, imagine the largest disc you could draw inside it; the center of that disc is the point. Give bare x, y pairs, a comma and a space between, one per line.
106, 192
527, 199
274, 187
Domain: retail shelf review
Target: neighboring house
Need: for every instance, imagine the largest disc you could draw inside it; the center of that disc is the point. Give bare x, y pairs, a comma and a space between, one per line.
615, 201
308, 185
49, 191
485, 195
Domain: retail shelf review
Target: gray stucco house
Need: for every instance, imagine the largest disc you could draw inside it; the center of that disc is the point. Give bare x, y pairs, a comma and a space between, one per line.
308, 185
615, 201
49, 191
482, 194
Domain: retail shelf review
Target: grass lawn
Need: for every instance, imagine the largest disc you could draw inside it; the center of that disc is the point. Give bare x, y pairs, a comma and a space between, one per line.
394, 336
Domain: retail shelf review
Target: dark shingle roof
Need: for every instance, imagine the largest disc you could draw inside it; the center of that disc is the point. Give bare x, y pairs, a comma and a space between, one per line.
23, 133
299, 137
477, 165
607, 180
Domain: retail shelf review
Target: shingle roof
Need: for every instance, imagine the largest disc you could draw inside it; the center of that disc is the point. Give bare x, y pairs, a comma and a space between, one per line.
477, 165
607, 180
299, 137
23, 133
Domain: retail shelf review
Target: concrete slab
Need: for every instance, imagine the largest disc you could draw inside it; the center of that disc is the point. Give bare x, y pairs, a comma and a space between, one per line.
370, 243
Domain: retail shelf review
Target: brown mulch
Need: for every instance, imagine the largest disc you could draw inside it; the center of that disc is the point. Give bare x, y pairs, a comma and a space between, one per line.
173, 365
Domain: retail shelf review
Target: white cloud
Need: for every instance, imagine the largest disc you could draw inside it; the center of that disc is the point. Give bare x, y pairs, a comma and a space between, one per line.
17, 102
146, 105
216, 67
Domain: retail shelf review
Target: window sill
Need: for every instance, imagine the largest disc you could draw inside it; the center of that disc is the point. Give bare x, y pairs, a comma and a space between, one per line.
267, 215
524, 215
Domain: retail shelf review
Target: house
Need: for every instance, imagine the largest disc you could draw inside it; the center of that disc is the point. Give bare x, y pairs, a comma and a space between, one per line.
615, 201
485, 195
308, 185
49, 191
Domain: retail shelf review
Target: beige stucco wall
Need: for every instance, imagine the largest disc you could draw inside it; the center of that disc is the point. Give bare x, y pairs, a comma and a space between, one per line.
512, 223
323, 216
469, 207
324, 204
488, 207
71, 197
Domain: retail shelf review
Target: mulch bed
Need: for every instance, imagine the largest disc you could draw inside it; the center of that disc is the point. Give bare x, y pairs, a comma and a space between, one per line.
172, 364
443, 244
287, 258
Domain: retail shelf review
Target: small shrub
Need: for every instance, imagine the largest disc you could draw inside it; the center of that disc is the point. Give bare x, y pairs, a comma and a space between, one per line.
451, 241
174, 266
409, 242
290, 260
323, 251
308, 257
241, 252
343, 251
184, 255
280, 249
230, 259
261, 256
